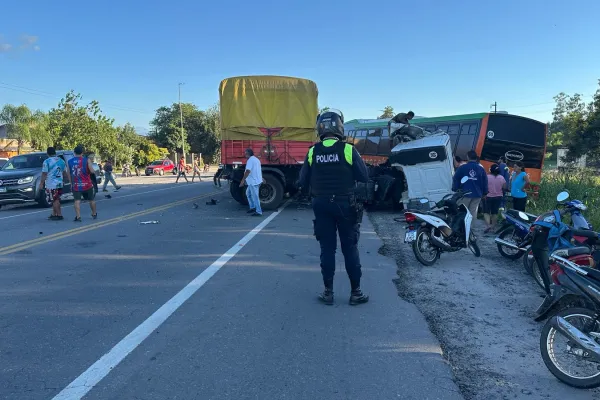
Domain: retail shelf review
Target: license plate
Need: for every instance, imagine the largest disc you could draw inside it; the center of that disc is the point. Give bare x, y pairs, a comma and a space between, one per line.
2, 190
410, 237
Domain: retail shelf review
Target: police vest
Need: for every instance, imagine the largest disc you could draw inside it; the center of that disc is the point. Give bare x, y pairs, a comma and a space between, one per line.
331, 164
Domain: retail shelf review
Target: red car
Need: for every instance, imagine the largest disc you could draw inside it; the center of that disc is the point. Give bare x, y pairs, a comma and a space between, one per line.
160, 167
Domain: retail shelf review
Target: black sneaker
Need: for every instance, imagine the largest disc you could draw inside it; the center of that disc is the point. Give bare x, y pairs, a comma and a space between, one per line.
77, 219
94, 216
358, 297
251, 211
327, 296
256, 215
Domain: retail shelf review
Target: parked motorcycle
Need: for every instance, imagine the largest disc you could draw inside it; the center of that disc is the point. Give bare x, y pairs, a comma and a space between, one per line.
575, 362
517, 225
560, 236
446, 228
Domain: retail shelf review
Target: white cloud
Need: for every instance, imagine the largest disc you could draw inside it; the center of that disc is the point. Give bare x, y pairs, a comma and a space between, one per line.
28, 42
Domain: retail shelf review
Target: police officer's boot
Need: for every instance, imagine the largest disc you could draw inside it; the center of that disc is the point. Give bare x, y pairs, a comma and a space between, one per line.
327, 296
358, 297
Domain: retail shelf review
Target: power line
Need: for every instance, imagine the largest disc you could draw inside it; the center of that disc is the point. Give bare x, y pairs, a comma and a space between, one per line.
36, 92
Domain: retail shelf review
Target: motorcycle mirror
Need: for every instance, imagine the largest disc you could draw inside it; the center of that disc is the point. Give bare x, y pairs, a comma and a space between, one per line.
523, 216
562, 196
424, 201
464, 179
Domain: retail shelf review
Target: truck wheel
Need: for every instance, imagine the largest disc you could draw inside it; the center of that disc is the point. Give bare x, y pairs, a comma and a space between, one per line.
271, 193
238, 193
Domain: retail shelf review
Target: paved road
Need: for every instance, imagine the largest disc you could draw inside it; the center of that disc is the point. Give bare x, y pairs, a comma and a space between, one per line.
208, 304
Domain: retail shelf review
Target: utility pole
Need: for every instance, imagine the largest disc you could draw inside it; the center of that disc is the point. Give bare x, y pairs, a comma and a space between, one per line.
495, 105
181, 114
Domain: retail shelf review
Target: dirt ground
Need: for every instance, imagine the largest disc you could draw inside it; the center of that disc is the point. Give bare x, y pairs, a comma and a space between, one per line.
481, 311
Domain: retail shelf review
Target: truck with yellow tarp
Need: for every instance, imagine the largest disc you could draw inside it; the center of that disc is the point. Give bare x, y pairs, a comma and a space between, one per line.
275, 116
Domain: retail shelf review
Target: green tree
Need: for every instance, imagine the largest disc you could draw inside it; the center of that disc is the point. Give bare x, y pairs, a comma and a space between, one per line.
324, 109
578, 124
41, 137
148, 152
167, 125
18, 120
201, 129
388, 112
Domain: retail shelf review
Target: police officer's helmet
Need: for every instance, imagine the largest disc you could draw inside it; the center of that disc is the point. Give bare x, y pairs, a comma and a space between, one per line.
330, 123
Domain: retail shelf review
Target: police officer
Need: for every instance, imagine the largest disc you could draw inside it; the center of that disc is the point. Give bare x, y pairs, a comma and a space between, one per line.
332, 168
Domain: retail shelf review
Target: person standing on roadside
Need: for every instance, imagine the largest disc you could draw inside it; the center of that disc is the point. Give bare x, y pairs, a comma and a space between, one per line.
181, 170
54, 175
197, 166
331, 169
518, 181
496, 187
476, 185
83, 176
253, 178
505, 172
217, 176
108, 176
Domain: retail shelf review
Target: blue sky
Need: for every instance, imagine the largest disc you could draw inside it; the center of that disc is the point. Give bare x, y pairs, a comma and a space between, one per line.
434, 57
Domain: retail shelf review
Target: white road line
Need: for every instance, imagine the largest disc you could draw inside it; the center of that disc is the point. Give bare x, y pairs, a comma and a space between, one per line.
101, 368
98, 201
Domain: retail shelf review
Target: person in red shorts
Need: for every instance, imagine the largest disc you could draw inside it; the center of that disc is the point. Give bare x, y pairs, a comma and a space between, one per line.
54, 173
83, 176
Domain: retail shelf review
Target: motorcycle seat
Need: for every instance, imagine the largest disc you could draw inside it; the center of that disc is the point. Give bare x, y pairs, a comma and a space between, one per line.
594, 273
515, 214
572, 251
585, 233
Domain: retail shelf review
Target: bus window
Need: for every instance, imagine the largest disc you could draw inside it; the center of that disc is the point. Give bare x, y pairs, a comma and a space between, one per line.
385, 144
360, 140
468, 133
372, 142
453, 133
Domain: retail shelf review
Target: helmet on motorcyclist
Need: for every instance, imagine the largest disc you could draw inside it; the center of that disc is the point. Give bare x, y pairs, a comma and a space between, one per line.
330, 124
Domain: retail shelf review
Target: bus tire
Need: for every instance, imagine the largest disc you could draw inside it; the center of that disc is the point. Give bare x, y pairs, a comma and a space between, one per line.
271, 192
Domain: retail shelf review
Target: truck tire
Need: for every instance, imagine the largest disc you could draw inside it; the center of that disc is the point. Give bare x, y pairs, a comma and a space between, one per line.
271, 192
238, 193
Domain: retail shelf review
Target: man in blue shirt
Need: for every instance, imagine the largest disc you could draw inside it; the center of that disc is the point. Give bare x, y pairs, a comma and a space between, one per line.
477, 184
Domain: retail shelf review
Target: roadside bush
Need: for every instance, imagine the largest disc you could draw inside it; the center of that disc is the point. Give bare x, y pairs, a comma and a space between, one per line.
582, 184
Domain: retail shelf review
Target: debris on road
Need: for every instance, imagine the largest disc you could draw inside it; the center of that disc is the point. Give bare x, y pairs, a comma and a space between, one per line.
108, 196
212, 202
195, 205
149, 222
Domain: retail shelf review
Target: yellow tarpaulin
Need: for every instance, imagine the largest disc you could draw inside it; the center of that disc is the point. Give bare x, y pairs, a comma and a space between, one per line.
249, 103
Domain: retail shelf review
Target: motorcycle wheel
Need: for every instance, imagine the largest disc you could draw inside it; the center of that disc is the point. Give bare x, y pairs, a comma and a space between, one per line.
474, 247
507, 234
432, 252
528, 262
551, 352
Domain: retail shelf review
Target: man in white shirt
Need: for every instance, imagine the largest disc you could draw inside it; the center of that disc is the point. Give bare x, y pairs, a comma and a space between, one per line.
253, 179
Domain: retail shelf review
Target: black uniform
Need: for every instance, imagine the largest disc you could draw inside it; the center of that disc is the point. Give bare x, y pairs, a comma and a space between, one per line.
332, 169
